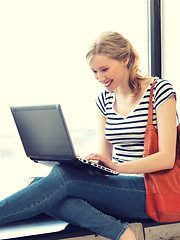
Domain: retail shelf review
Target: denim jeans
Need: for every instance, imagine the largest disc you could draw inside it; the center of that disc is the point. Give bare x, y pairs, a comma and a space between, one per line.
96, 202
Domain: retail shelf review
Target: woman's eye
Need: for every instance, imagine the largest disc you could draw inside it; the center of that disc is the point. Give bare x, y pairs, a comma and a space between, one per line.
104, 69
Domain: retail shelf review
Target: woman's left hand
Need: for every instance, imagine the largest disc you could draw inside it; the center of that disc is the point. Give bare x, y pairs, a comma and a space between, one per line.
100, 159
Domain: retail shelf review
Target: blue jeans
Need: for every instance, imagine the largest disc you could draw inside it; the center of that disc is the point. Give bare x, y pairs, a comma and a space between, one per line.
81, 198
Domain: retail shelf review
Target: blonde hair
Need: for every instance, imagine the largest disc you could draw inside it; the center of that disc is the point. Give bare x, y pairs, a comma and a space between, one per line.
114, 45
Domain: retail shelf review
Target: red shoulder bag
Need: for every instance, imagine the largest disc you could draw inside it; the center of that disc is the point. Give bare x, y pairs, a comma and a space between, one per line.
162, 187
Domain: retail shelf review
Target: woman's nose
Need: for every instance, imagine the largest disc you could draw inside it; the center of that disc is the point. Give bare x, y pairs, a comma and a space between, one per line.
100, 77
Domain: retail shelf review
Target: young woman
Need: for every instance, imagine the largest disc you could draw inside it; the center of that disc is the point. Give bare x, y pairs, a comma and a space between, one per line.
103, 204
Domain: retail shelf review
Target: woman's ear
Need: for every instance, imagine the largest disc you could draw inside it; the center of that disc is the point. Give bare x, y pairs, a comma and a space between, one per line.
126, 61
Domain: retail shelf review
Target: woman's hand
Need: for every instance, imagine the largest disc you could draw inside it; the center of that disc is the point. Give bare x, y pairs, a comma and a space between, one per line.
100, 159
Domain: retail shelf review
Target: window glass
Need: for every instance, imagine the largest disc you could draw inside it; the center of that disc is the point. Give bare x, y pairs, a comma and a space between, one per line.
42, 59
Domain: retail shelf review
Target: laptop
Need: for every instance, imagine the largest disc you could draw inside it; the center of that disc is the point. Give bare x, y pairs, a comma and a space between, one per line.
46, 139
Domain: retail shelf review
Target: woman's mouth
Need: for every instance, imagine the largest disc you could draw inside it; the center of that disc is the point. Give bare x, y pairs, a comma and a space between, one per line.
107, 84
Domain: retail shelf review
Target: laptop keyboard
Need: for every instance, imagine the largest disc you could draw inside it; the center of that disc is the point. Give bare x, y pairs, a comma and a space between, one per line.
98, 166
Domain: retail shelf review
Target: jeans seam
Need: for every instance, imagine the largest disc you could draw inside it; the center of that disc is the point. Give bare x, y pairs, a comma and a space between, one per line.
37, 203
107, 186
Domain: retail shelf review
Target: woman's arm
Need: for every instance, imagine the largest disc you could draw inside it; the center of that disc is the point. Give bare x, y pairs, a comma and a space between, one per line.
164, 159
105, 148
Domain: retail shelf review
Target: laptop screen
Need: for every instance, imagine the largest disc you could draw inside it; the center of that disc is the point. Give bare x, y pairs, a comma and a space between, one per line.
43, 132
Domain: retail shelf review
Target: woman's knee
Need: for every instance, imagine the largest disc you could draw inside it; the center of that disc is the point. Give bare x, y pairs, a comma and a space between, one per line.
62, 172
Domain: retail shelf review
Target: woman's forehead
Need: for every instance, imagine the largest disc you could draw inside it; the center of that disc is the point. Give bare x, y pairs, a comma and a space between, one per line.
99, 60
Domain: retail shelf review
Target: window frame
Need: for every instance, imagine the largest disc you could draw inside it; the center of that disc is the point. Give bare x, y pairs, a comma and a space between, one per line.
154, 38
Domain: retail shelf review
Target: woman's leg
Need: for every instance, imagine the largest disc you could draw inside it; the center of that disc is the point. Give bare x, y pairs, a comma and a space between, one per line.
80, 213
117, 196
69, 210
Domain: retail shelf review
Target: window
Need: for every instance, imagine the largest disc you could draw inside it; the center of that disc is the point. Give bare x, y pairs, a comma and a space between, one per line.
43, 48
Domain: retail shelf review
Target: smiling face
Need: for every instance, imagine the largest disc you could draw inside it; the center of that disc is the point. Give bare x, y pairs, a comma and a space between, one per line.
110, 72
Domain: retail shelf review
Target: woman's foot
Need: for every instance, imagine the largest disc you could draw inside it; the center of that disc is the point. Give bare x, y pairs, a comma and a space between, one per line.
133, 232
30, 181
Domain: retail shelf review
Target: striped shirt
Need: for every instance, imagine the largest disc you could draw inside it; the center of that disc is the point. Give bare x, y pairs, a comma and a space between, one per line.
127, 133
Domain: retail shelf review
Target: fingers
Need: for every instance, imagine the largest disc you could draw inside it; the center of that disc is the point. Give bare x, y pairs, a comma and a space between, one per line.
97, 158
93, 156
100, 159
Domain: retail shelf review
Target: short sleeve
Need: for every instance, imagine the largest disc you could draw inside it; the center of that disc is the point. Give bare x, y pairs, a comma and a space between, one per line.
100, 102
163, 90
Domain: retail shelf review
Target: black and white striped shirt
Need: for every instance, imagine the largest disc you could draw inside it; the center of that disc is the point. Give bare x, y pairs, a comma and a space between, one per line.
127, 133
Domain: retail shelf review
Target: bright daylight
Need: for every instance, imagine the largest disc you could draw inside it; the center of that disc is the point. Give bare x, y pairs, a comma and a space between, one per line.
43, 61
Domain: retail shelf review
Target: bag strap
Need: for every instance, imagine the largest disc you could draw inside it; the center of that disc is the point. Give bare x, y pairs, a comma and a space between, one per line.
150, 111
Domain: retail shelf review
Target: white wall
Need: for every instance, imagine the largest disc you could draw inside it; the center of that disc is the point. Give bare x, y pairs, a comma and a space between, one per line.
171, 43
